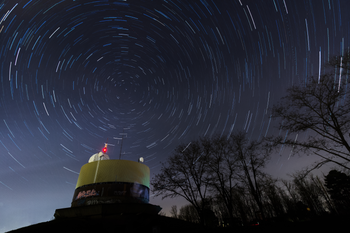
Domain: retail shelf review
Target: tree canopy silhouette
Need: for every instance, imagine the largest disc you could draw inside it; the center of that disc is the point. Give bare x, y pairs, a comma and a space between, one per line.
183, 175
210, 168
319, 108
338, 185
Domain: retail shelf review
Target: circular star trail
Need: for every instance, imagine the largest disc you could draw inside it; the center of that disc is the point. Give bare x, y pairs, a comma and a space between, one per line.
77, 74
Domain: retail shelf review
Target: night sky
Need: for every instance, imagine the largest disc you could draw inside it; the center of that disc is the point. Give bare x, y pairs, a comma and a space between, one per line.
76, 73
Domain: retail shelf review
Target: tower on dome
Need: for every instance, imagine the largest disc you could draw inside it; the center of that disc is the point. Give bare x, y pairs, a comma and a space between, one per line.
100, 155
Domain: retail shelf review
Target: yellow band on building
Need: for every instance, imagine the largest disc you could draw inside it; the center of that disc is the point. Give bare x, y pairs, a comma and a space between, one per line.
114, 171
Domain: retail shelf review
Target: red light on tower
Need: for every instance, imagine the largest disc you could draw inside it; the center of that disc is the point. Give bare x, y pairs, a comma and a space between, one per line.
104, 150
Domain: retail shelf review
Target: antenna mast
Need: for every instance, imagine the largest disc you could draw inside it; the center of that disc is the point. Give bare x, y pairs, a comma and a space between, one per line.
121, 146
122, 139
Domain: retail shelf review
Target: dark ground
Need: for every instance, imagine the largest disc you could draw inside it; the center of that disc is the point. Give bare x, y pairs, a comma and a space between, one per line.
144, 223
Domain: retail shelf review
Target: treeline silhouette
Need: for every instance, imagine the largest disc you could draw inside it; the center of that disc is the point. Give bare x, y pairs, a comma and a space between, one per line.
301, 199
223, 177
224, 182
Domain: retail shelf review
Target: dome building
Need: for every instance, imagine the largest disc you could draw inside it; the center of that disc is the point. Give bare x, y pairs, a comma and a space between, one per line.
113, 186
98, 156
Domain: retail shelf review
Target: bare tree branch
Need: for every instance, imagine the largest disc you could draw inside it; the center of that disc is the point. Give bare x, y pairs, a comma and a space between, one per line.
322, 107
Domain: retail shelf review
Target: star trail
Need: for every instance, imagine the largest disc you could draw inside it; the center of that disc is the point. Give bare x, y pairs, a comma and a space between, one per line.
76, 73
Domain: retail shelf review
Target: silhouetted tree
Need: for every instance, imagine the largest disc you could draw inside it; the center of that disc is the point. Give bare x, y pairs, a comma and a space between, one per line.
271, 193
252, 157
173, 212
227, 168
162, 213
338, 185
189, 213
223, 217
242, 206
184, 175
287, 200
309, 193
208, 214
221, 171
328, 203
320, 107
220, 211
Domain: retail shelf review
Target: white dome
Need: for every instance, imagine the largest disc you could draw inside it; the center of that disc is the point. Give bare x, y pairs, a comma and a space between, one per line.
98, 156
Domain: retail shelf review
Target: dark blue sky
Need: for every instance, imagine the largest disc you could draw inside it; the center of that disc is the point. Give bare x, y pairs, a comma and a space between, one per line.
74, 73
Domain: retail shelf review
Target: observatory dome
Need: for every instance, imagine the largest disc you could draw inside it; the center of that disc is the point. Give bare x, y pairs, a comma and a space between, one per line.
98, 156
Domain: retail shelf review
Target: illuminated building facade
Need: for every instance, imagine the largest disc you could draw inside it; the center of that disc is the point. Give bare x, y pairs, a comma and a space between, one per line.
110, 187
112, 181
